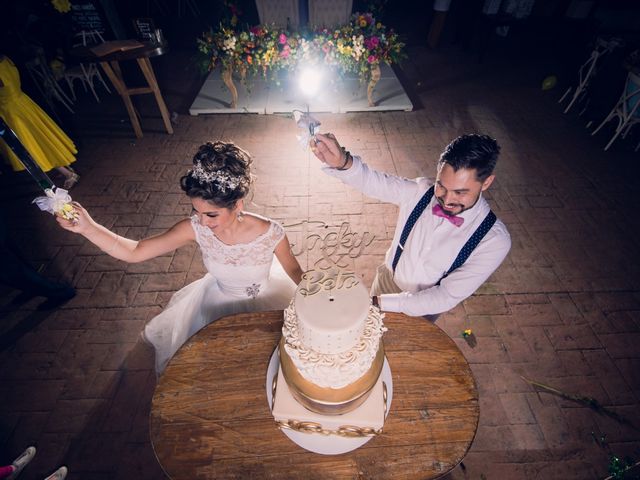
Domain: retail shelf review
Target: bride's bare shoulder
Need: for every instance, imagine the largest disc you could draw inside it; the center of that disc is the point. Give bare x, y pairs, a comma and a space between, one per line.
258, 223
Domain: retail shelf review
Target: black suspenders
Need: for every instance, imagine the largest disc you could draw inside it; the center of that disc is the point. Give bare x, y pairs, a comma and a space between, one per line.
466, 250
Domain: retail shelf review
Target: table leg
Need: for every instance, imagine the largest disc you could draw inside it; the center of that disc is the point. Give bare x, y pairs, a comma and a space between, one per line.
375, 76
119, 85
227, 78
147, 70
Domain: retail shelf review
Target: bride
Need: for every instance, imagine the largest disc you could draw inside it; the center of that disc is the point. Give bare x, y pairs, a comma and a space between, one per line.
237, 250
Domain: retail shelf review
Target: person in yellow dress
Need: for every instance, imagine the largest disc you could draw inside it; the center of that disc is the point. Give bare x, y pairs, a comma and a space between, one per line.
49, 146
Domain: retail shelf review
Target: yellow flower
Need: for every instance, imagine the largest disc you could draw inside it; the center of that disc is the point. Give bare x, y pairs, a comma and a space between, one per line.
67, 212
63, 6
363, 22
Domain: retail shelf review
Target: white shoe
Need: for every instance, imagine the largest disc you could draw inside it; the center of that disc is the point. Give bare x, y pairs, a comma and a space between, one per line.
71, 181
59, 474
22, 461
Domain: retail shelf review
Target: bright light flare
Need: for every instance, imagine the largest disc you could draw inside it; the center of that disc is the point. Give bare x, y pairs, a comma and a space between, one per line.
309, 80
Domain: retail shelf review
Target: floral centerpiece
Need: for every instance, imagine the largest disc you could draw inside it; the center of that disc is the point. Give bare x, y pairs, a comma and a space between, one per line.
364, 44
358, 47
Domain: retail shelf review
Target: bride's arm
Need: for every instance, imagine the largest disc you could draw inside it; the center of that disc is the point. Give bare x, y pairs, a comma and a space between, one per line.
125, 249
288, 261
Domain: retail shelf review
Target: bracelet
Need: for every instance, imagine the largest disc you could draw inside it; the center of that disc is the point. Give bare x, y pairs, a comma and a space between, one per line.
347, 157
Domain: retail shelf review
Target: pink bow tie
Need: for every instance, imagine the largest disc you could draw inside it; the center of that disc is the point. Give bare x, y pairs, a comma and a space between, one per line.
439, 212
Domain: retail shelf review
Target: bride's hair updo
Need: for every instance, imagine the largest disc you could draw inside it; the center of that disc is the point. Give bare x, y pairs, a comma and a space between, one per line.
221, 174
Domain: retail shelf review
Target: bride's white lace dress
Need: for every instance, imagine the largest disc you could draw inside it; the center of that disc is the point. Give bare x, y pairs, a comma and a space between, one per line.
240, 278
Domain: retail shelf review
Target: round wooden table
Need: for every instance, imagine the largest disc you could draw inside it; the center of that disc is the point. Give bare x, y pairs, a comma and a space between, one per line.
210, 417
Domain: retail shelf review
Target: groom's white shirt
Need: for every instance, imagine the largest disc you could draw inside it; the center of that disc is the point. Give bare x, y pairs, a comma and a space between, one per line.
432, 245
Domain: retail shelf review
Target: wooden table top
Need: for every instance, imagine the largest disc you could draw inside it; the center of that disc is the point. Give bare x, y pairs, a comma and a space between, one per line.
210, 417
145, 50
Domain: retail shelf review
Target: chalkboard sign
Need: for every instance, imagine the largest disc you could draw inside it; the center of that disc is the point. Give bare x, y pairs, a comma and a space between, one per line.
87, 15
145, 28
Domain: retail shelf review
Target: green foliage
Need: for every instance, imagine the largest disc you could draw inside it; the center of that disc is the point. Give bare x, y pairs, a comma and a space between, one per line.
619, 468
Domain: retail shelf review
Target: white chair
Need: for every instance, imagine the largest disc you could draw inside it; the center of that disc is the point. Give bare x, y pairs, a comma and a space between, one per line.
43, 78
85, 72
627, 110
282, 13
329, 13
588, 70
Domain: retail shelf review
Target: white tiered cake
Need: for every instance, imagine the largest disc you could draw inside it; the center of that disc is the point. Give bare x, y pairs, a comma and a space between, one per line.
331, 356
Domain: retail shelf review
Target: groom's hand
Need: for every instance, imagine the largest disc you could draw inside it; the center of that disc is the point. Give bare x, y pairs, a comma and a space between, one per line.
328, 150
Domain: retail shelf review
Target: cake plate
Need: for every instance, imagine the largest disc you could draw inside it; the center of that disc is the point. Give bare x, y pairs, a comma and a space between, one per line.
325, 444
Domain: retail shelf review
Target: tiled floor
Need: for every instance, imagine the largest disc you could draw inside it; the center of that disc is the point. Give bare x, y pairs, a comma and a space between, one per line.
563, 309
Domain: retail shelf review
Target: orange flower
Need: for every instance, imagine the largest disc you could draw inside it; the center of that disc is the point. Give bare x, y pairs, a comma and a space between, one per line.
249, 60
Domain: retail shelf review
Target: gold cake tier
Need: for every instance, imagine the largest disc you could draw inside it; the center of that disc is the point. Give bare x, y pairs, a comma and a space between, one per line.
330, 401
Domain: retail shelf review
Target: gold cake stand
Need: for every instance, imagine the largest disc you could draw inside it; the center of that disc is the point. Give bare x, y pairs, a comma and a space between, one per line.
317, 442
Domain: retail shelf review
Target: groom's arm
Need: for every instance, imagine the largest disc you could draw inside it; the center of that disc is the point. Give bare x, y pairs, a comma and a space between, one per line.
351, 170
375, 184
457, 286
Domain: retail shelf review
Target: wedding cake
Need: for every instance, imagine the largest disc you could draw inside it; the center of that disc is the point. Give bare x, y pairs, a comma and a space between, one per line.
331, 357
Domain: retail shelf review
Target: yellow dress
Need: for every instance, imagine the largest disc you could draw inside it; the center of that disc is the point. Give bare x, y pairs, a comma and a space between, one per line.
49, 146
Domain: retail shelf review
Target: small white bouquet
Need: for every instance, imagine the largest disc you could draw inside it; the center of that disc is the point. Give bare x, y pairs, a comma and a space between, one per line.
57, 202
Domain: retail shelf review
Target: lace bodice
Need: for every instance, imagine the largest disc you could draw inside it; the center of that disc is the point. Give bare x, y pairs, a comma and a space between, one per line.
257, 252
239, 269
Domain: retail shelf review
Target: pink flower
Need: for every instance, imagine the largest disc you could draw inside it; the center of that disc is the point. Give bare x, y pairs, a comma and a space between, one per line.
372, 59
371, 43
282, 39
285, 52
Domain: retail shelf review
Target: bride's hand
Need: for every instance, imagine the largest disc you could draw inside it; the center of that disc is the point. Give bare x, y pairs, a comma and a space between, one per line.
328, 150
81, 222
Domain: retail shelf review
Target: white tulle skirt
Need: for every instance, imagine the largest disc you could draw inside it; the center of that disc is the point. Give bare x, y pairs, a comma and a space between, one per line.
206, 300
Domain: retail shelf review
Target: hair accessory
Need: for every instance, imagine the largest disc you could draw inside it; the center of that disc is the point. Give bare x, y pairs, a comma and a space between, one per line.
222, 179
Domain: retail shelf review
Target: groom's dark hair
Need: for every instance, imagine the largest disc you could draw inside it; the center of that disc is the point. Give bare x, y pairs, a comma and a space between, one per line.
474, 152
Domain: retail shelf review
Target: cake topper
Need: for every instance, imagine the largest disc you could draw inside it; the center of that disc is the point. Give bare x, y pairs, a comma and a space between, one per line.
315, 281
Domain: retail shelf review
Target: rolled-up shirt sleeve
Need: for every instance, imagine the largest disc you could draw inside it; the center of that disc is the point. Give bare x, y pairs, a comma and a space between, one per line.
457, 286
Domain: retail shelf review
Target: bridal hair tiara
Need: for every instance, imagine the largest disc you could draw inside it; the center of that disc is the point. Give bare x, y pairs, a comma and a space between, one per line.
222, 179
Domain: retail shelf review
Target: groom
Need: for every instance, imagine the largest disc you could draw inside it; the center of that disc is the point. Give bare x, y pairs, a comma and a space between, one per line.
447, 240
